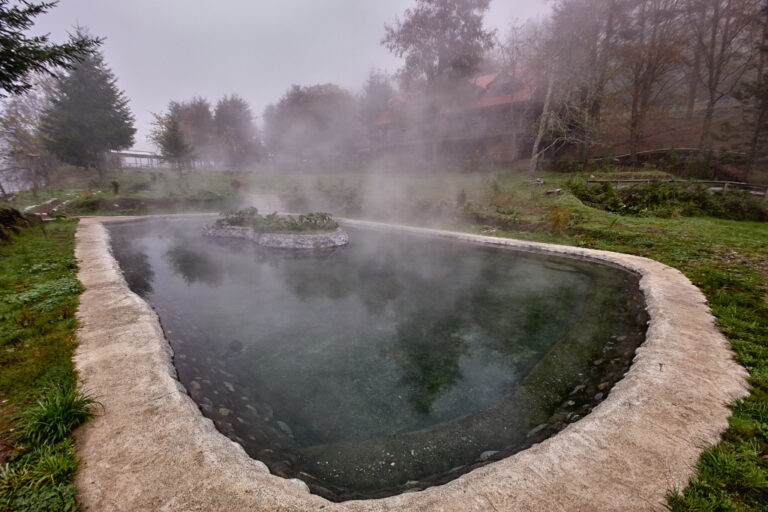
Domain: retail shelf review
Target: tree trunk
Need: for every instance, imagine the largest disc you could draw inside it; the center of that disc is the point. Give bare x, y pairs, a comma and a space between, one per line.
100, 168
634, 129
543, 122
33, 173
705, 144
759, 117
693, 83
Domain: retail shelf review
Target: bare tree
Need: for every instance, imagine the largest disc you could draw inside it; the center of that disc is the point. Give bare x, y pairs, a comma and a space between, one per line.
584, 44
24, 158
725, 32
440, 39
651, 50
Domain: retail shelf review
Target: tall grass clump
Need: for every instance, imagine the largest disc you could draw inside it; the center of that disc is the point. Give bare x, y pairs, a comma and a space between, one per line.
60, 411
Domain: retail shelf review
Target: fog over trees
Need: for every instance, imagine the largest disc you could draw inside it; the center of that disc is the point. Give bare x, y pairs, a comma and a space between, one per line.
595, 78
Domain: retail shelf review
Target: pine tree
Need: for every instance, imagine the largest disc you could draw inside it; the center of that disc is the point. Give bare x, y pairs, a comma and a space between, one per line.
22, 56
88, 116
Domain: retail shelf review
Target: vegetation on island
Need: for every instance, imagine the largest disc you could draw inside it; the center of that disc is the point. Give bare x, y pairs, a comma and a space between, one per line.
273, 223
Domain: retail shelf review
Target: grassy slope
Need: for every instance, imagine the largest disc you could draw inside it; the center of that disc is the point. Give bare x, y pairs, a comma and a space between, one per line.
728, 260
38, 298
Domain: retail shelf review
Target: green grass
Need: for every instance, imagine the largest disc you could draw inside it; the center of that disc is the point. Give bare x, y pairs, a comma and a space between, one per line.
39, 401
728, 261
54, 416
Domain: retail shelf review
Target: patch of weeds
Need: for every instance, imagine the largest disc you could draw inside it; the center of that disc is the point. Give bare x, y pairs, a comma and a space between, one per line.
503, 217
55, 415
48, 290
40, 480
273, 223
561, 218
671, 200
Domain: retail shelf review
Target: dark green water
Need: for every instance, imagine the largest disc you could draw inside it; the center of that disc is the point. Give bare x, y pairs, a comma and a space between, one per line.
384, 364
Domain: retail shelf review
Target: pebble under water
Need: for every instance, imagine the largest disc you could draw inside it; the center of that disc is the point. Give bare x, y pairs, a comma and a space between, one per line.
392, 364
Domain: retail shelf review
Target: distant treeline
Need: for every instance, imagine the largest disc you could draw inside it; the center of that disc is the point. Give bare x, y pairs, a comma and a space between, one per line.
595, 78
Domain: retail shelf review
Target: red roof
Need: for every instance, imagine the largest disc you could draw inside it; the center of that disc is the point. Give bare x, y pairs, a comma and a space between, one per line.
483, 80
384, 118
484, 100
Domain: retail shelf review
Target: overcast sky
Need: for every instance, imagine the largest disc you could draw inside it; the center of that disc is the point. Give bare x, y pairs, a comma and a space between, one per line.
162, 50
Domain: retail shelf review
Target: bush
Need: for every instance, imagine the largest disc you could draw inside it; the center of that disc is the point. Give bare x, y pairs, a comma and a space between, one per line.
602, 196
699, 168
567, 164
670, 199
11, 220
273, 223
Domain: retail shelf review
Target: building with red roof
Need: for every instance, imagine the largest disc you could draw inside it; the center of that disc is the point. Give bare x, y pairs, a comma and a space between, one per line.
488, 117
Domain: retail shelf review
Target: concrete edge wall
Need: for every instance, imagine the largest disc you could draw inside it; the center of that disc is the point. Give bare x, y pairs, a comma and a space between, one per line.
151, 448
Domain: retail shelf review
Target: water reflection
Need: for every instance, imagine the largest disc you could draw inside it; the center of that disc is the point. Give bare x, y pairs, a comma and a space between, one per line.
192, 264
304, 357
136, 268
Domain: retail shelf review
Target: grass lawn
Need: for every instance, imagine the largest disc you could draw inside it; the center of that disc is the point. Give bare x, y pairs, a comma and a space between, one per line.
727, 259
38, 399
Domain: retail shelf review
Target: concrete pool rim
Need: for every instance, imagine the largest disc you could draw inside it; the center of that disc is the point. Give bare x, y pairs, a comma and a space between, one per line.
153, 449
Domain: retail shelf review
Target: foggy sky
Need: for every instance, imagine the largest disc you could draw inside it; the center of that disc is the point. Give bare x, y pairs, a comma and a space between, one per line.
162, 50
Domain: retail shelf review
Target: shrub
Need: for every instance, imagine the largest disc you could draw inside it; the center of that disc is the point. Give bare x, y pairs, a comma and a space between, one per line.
560, 218
670, 199
11, 220
567, 164
699, 167
273, 223
142, 186
602, 195
504, 217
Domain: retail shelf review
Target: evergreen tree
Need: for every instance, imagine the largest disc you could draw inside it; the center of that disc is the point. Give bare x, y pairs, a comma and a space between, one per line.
20, 56
88, 116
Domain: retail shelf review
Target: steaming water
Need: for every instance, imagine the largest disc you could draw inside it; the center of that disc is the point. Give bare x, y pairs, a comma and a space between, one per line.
385, 362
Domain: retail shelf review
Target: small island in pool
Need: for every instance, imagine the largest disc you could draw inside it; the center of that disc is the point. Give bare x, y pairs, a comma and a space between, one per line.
315, 230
